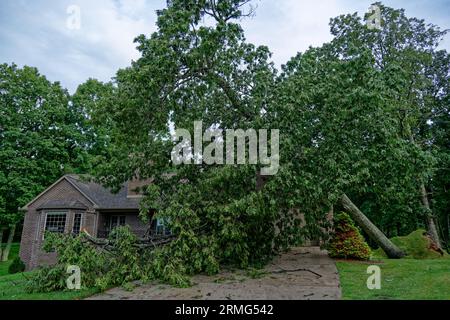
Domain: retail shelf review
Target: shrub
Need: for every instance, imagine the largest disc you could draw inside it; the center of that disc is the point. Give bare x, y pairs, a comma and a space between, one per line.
416, 245
47, 279
346, 241
16, 266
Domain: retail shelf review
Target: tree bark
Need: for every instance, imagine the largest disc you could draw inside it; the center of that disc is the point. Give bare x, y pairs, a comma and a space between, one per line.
372, 231
5, 253
432, 229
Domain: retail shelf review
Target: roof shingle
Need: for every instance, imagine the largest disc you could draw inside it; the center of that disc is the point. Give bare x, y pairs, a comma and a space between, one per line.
103, 197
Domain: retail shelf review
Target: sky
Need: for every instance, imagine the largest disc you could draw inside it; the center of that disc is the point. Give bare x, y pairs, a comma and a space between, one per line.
47, 34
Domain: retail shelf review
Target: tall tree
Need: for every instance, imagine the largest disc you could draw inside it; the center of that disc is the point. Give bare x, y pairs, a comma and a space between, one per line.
339, 136
439, 136
403, 50
92, 131
38, 140
194, 71
198, 66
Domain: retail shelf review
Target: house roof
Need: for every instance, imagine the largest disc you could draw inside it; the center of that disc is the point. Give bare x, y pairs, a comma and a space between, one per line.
101, 197
62, 204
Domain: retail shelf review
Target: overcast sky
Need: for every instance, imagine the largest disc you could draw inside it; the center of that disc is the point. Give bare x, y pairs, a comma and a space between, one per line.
35, 32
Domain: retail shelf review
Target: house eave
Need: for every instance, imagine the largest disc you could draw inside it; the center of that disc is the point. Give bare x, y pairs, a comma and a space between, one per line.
27, 206
117, 209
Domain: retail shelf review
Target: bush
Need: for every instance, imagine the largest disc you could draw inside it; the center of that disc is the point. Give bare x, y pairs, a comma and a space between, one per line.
416, 245
346, 241
48, 279
16, 266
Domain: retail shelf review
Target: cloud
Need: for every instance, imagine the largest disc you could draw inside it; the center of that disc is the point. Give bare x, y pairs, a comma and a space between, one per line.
290, 26
38, 35
35, 32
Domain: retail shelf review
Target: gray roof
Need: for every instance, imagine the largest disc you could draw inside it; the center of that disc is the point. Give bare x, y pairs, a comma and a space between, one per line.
62, 204
102, 197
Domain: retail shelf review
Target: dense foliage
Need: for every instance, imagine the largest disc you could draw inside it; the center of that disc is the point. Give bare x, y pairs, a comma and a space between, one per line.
415, 76
117, 265
194, 70
365, 115
44, 133
346, 241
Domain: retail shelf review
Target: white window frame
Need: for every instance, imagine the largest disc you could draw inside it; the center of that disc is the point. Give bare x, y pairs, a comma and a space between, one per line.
75, 213
54, 212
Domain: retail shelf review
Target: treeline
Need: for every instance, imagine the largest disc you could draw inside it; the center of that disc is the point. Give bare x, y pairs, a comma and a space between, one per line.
44, 133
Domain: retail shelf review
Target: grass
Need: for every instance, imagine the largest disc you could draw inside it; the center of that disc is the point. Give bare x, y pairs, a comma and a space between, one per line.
12, 254
12, 287
404, 279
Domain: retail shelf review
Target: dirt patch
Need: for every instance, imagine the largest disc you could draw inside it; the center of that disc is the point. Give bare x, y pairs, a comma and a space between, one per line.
302, 274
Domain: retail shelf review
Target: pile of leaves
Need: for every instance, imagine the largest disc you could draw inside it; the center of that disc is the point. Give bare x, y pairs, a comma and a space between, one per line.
347, 242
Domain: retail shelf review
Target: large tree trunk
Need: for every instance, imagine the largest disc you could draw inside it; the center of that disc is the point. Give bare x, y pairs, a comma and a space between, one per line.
5, 253
372, 231
432, 229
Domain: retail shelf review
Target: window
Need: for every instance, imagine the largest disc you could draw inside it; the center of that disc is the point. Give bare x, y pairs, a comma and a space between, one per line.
56, 222
159, 228
117, 221
77, 223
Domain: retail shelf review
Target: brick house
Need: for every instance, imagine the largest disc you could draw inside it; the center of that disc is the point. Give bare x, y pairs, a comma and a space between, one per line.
73, 204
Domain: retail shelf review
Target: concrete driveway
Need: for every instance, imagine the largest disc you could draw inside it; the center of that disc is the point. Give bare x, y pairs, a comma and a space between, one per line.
302, 274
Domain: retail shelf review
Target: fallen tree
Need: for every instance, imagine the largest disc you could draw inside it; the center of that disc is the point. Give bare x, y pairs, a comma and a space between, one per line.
371, 230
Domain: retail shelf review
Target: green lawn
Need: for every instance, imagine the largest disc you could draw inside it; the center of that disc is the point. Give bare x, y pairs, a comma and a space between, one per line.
12, 287
404, 279
13, 253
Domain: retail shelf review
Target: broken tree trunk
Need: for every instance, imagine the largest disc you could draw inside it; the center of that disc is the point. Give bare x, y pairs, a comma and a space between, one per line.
372, 231
432, 229
5, 253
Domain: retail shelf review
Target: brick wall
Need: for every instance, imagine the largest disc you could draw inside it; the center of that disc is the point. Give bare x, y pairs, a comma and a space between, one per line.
34, 224
136, 224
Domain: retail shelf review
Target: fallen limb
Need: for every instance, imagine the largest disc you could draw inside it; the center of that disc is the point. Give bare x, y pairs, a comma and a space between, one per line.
297, 270
371, 230
143, 243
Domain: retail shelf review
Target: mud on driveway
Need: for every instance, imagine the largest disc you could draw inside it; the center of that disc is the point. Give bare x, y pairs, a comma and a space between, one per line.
302, 274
